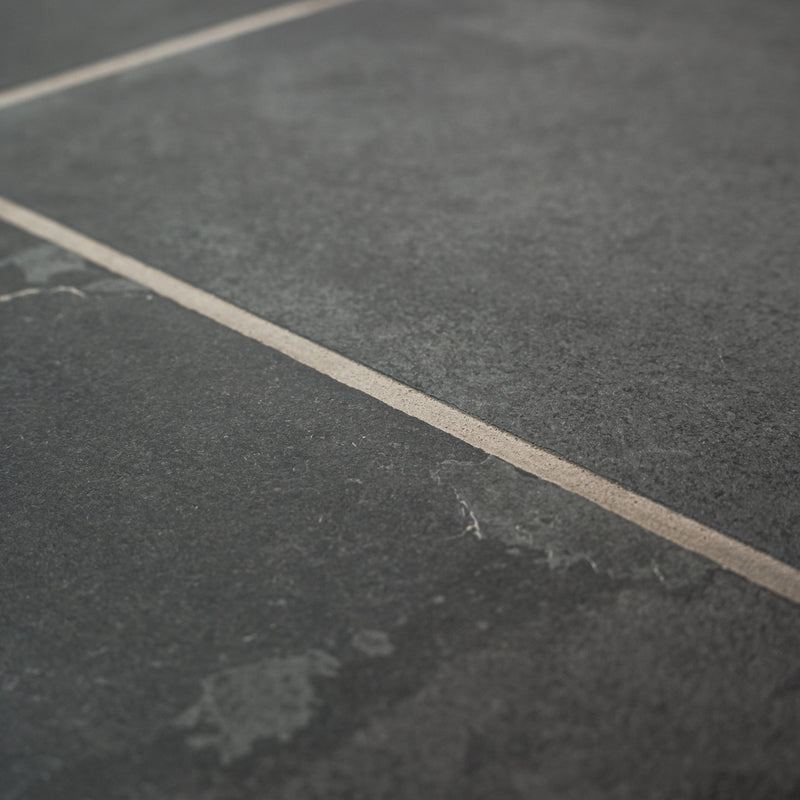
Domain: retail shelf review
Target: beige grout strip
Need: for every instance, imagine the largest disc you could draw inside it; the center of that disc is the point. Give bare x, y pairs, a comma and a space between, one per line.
729, 553
166, 49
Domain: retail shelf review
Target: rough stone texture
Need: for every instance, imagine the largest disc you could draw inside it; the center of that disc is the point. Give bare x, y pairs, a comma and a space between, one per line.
577, 220
225, 576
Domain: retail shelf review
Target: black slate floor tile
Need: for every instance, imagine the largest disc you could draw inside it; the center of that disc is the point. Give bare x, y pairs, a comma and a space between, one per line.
574, 220
225, 575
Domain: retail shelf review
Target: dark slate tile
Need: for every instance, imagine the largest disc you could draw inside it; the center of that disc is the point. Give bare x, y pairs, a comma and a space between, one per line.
226, 576
576, 220
41, 37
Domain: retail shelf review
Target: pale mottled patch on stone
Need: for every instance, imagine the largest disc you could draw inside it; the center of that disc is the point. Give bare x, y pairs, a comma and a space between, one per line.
46, 265
271, 699
373, 643
42, 263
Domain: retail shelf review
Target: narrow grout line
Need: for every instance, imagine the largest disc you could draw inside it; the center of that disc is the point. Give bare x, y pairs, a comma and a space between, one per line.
752, 564
168, 48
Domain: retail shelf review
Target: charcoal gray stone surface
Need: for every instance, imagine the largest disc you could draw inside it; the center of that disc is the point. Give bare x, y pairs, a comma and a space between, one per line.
43, 37
576, 220
225, 575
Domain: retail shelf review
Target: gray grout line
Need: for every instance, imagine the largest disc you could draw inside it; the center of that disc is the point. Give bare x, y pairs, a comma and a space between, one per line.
725, 551
168, 48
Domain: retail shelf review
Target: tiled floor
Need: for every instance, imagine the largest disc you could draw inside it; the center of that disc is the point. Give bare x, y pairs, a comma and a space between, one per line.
227, 576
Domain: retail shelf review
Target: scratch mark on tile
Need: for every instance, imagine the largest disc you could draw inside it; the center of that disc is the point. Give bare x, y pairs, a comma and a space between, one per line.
473, 526
5, 298
499, 503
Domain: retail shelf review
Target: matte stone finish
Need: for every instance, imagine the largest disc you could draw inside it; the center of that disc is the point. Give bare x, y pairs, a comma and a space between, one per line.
226, 576
576, 220
42, 37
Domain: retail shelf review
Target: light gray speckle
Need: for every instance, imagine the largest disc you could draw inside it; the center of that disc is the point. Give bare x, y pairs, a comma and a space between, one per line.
271, 699
373, 643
